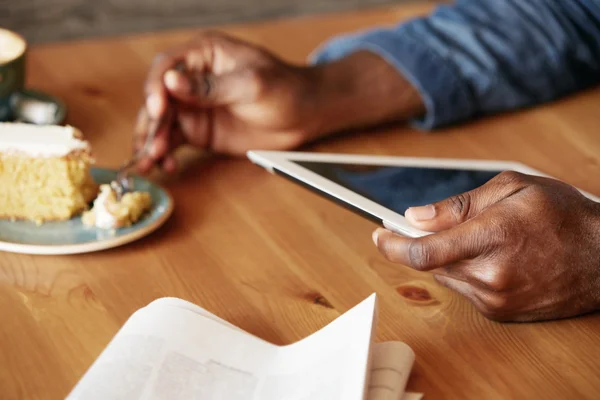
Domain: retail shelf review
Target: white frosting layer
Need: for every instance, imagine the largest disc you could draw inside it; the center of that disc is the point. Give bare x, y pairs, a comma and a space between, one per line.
40, 140
104, 219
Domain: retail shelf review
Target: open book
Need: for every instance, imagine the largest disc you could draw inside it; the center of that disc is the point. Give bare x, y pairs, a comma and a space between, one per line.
175, 350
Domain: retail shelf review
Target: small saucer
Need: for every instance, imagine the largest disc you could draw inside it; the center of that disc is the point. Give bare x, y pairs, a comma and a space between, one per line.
35, 107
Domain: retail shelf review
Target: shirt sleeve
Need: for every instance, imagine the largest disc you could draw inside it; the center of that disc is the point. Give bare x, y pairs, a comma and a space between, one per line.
479, 57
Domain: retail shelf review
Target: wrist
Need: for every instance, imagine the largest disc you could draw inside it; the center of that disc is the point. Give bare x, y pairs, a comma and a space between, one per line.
360, 91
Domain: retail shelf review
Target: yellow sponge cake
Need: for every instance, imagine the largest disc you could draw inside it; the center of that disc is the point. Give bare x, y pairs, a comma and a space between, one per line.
44, 172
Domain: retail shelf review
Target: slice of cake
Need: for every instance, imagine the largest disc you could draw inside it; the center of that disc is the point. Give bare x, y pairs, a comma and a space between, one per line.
109, 212
44, 172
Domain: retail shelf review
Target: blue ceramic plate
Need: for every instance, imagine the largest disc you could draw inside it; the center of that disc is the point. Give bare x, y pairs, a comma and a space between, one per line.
71, 237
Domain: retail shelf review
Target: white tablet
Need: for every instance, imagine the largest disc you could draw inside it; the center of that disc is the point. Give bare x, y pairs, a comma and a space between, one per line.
382, 188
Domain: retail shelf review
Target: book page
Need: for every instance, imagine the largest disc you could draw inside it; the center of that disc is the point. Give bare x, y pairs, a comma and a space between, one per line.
331, 364
391, 365
173, 349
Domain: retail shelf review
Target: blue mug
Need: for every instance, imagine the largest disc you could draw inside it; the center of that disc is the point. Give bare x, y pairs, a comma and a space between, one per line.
13, 49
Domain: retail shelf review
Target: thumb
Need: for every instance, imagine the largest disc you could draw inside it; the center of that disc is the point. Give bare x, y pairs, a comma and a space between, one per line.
205, 89
457, 209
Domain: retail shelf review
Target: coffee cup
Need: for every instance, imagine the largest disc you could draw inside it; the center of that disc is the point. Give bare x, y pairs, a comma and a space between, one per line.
13, 49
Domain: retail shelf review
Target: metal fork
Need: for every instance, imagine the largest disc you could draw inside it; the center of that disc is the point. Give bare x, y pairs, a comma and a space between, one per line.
123, 182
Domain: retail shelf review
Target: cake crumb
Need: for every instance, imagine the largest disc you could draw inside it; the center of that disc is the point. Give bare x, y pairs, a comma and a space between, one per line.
110, 213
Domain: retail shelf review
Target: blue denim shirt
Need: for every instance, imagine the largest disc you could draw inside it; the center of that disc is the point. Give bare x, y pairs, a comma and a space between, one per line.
479, 57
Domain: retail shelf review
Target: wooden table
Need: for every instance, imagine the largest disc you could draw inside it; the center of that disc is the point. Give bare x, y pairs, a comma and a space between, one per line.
277, 260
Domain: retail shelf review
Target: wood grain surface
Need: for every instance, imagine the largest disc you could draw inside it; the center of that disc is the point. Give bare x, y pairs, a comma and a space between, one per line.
54, 20
275, 259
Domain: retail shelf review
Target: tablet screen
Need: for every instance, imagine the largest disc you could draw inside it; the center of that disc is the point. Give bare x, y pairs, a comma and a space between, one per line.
398, 188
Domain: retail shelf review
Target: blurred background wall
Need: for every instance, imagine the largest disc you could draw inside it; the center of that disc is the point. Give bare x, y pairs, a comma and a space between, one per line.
56, 20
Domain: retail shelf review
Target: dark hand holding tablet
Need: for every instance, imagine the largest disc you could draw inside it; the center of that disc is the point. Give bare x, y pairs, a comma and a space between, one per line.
520, 247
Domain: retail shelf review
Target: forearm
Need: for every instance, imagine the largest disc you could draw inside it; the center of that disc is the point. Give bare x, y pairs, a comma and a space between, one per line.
362, 90
478, 57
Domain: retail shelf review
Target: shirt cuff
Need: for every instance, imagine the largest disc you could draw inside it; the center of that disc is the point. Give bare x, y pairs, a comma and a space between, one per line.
446, 96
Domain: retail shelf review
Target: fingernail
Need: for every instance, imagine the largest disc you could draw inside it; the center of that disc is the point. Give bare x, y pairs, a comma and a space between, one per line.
423, 213
169, 165
153, 105
154, 150
171, 80
143, 166
375, 236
